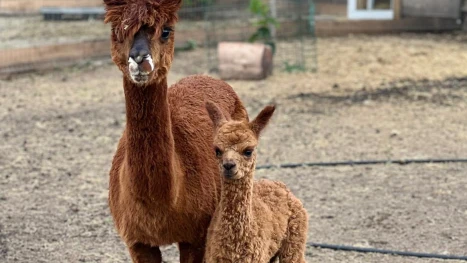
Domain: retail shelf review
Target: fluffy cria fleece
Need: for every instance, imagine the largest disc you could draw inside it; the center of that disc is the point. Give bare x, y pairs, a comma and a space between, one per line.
255, 221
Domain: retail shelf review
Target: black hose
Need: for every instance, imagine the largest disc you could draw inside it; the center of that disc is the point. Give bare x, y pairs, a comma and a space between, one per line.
384, 251
362, 162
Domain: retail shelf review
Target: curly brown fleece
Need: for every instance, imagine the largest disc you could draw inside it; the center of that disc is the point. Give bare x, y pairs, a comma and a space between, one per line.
255, 221
163, 186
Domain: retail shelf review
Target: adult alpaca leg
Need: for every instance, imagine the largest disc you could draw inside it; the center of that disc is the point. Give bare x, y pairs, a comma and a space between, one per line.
188, 253
142, 253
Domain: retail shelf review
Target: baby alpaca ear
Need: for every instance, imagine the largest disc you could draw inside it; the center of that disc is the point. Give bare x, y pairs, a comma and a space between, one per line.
258, 124
215, 113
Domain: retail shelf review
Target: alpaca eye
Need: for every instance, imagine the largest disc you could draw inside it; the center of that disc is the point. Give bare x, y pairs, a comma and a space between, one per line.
166, 33
218, 152
248, 153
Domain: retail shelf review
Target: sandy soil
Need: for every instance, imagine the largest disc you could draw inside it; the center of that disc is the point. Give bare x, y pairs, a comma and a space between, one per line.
373, 98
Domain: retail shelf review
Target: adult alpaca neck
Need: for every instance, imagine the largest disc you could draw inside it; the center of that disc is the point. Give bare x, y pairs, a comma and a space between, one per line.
150, 153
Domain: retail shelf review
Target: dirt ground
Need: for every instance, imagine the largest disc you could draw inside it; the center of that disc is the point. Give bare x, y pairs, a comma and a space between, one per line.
382, 97
26, 31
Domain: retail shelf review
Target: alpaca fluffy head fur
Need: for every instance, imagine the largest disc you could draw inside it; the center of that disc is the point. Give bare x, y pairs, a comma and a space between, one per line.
235, 142
152, 22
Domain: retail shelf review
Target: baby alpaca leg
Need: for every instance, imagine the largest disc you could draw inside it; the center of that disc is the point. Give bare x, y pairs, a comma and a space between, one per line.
294, 245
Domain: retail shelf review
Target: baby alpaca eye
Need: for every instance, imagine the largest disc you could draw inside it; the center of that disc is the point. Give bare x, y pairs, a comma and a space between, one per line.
248, 152
218, 152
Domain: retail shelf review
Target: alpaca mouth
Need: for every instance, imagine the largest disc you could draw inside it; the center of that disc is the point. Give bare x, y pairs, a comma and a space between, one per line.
140, 77
140, 72
230, 174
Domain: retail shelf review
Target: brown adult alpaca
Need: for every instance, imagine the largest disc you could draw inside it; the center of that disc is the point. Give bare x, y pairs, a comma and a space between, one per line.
163, 187
255, 222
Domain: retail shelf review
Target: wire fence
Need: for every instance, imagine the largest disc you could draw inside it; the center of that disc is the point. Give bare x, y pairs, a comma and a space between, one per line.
45, 33
38, 34
291, 34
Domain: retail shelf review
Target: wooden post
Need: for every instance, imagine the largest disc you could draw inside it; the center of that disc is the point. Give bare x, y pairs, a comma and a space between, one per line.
273, 9
397, 9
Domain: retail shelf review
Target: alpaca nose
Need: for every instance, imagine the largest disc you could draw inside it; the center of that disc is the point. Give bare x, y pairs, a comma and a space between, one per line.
138, 55
140, 48
229, 166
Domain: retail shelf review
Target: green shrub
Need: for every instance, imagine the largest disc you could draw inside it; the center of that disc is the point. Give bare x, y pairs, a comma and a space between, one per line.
263, 33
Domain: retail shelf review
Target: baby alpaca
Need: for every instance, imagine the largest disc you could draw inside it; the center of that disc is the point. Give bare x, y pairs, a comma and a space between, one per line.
254, 222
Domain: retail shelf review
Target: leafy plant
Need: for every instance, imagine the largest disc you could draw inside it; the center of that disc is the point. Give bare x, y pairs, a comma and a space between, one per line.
265, 22
187, 46
289, 68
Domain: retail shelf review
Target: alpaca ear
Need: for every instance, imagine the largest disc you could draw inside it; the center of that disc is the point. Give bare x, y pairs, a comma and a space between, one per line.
113, 10
171, 6
215, 113
260, 122
114, 2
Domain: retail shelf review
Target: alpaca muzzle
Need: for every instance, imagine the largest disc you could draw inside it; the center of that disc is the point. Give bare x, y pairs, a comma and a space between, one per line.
144, 67
230, 170
140, 63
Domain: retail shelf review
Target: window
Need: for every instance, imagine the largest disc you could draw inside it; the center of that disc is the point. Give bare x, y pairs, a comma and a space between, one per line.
370, 9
